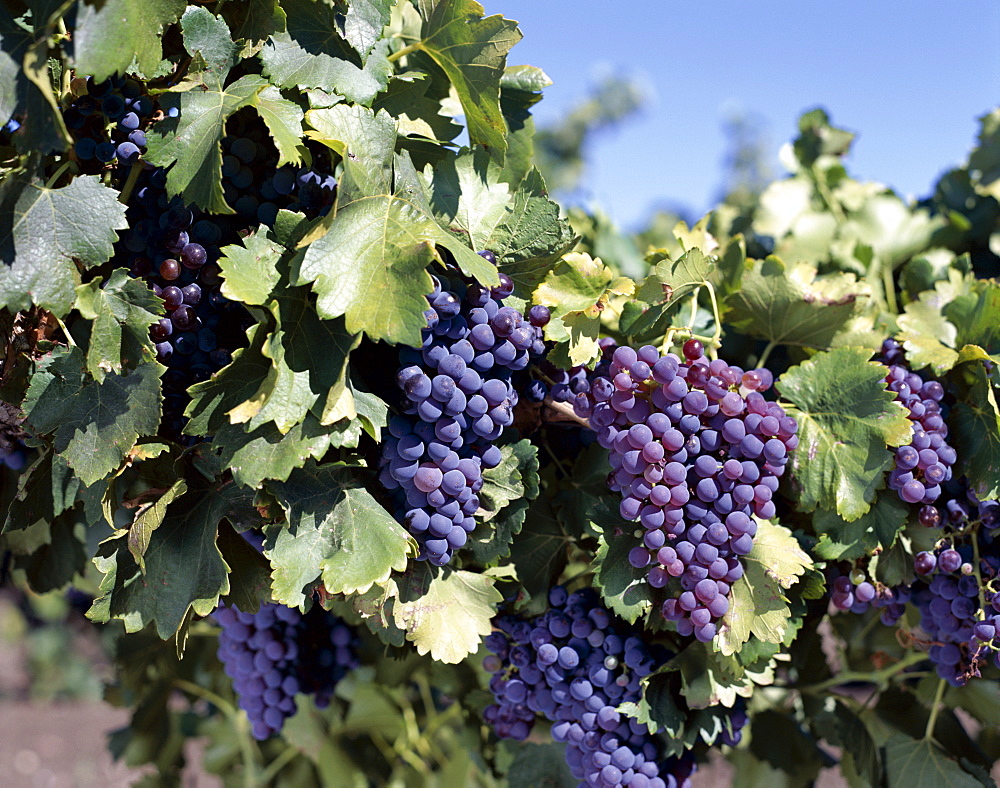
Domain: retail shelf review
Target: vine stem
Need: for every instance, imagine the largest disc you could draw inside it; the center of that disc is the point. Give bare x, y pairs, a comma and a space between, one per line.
888, 286
565, 409
827, 196
239, 722
766, 354
133, 177
717, 333
879, 677
287, 756
932, 719
407, 50
58, 173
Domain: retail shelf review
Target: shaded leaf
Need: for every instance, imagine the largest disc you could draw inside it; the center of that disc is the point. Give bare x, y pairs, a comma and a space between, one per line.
878, 527
920, 764
107, 36
122, 311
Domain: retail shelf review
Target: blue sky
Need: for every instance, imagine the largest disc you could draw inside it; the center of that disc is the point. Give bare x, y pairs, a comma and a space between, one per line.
909, 77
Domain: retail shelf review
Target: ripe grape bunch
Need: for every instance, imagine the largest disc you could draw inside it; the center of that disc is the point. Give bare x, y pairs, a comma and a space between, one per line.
695, 450
458, 398
277, 652
922, 466
959, 603
576, 664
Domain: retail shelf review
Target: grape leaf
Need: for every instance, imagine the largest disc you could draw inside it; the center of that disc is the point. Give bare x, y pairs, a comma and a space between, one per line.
94, 424
530, 79
541, 765
191, 142
468, 197
308, 357
657, 708
504, 500
984, 158
445, 613
207, 40
623, 587
363, 24
976, 425
792, 306
665, 288
757, 604
266, 453
148, 519
184, 568
365, 141
531, 238
927, 335
45, 232
108, 35
336, 530
576, 292
878, 527
231, 388
375, 607
250, 271
472, 51
44, 491
846, 420
122, 311
310, 53
921, 764
515, 478
370, 267
978, 321
249, 571
25, 84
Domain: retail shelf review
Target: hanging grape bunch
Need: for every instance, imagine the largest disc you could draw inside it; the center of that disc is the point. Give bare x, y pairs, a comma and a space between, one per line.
922, 466
277, 652
457, 399
695, 450
575, 665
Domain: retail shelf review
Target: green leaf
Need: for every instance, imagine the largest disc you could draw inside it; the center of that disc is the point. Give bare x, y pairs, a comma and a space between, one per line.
266, 453
365, 140
469, 198
207, 40
528, 78
878, 527
984, 157
927, 335
44, 491
921, 764
283, 119
666, 287
792, 306
445, 613
148, 520
250, 271
94, 425
310, 53
531, 237
184, 568
980, 324
309, 356
45, 233
541, 766
757, 603
503, 501
576, 291
623, 587
847, 420
230, 388
472, 52
122, 311
249, 571
976, 429
335, 530
514, 478
107, 36
370, 267
657, 708
364, 22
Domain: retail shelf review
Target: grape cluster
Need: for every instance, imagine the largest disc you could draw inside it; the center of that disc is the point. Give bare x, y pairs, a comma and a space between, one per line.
457, 399
277, 652
922, 466
857, 594
575, 664
960, 616
695, 450
120, 104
